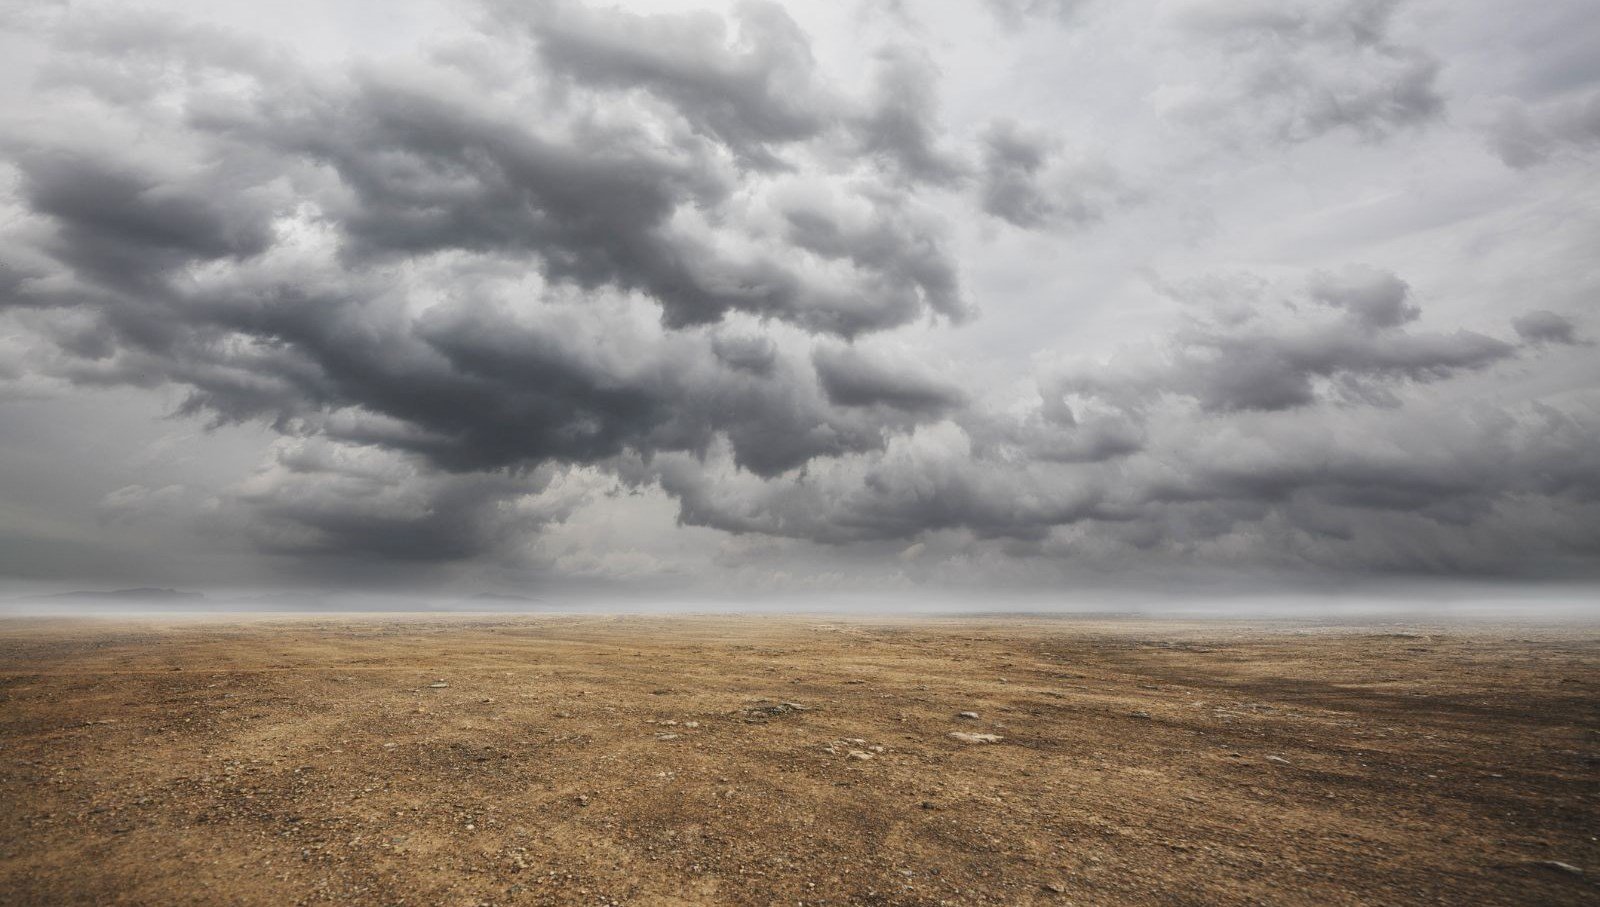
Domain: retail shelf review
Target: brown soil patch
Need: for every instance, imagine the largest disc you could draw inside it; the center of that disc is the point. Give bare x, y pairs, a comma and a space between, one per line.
654, 761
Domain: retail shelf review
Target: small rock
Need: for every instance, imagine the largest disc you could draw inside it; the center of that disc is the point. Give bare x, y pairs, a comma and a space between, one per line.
1278, 759
976, 738
666, 736
782, 708
971, 715
1559, 866
859, 756
1140, 713
1055, 888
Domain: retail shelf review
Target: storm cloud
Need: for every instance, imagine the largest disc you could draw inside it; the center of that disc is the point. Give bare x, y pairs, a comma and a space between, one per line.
736, 274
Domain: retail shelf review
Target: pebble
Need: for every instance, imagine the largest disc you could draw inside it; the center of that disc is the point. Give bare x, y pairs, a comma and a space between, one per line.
971, 715
1559, 866
1278, 759
976, 738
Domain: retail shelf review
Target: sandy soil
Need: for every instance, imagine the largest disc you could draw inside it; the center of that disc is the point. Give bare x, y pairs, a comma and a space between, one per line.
795, 761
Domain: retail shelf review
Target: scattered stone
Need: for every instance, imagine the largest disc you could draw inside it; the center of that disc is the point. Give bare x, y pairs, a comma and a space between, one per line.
859, 756
781, 708
1140, 713
1278, 759
972, 715
976, 738
666, 736
1559, 866
438, 685
1055, 888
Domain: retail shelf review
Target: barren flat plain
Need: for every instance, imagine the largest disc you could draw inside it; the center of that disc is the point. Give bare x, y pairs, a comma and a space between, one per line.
796, 761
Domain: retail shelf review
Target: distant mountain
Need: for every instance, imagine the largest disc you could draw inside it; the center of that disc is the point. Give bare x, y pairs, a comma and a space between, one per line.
142, 595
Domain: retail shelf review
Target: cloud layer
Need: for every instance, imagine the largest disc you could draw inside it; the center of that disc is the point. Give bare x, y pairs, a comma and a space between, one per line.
571, 262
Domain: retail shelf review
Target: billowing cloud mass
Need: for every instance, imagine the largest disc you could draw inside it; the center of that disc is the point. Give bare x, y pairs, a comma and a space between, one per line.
755, 294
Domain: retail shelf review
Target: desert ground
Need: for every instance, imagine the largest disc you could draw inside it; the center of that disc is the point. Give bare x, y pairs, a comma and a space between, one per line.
797, 761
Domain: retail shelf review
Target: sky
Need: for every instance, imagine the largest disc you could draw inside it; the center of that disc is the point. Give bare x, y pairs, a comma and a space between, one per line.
977, 300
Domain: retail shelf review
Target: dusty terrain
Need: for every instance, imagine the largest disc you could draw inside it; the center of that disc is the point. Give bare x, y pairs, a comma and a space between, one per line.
795, 761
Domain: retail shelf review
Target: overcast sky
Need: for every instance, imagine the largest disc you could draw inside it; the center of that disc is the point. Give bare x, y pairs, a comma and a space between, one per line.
778, 299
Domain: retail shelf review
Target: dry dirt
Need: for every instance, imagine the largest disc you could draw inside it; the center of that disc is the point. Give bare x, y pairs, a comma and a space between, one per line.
656, 761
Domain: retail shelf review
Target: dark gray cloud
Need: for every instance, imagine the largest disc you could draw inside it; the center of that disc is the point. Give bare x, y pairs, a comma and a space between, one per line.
1478, 492
850, 378
587, 264
316, 498
1253, 437
753, 91
1028, 181
1545, 327
1377, 299
901, 125
395, 190
452, 178
1277, 358
1242, 421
